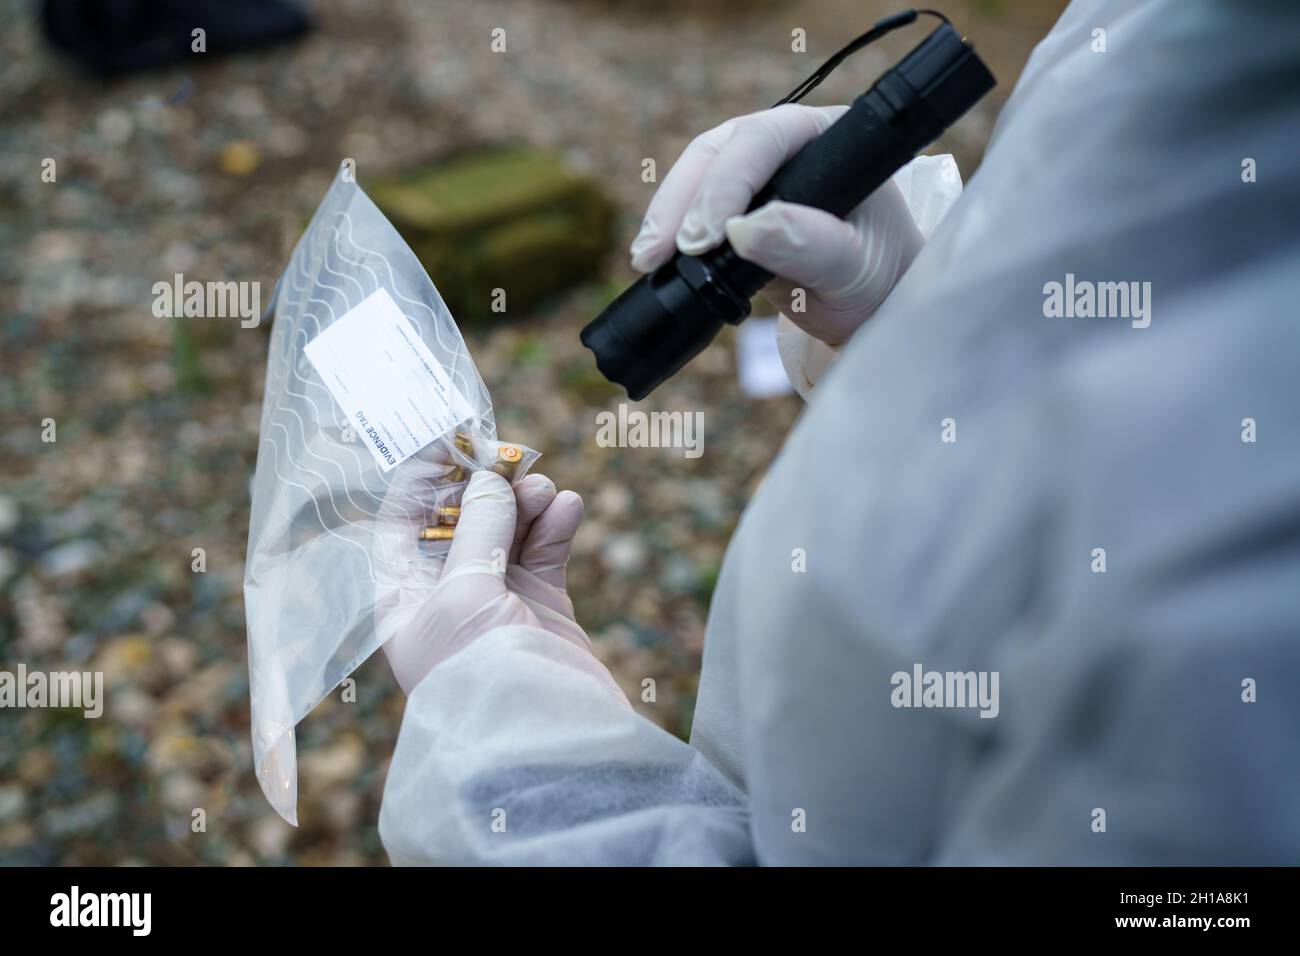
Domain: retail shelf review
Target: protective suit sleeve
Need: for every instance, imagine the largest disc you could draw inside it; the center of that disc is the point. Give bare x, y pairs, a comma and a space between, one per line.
930, 186
520, 749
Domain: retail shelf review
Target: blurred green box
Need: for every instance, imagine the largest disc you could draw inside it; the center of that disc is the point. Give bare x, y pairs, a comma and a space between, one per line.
514, 219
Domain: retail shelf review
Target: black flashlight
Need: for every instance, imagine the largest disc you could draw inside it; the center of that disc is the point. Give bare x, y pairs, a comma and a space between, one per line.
665, 319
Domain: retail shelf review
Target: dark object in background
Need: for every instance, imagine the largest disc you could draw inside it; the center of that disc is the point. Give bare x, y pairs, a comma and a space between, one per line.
115, 37
516, 219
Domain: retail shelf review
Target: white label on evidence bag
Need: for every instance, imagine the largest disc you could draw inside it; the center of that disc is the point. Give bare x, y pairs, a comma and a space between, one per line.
395, 393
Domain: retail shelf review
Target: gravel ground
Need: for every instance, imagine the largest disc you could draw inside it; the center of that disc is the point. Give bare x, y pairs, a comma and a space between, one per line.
211, 170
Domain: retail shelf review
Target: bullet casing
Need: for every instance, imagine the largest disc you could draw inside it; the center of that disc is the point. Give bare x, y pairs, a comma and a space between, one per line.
506, 464
508, 459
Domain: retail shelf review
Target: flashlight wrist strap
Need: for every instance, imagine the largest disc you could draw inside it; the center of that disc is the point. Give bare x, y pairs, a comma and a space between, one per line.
887, 25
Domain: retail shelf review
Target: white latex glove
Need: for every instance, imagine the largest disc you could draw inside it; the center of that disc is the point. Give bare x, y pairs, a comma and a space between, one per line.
847, 266
505, 566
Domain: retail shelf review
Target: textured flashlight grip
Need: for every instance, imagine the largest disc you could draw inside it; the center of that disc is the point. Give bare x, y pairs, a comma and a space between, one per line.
906, 110
845, 164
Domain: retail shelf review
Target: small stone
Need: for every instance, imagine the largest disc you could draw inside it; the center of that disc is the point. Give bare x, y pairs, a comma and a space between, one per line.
178, 656
612, 500
36, 767
181, 792
9, 514
41, 626
343, 807
71, 559
624, 553
125, 655
679, 573
270, 835
180, 256
115, 126
706, 501
81, 817
12, 803
157, 619
132, 708
240, 158
336, 764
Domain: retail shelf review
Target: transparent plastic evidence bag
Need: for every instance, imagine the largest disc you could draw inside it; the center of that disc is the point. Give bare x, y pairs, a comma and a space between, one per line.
373, 417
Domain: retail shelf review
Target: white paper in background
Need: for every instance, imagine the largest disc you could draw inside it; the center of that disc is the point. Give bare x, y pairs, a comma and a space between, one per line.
762, 375
395, 393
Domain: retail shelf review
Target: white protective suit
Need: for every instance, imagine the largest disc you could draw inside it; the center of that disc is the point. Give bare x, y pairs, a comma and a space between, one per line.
1120, 691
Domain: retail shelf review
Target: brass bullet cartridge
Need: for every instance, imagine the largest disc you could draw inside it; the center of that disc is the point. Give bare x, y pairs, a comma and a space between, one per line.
464, 445
508, 457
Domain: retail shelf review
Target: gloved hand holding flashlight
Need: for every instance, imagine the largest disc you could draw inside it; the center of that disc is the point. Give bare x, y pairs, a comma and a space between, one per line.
840, 162
845, 266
